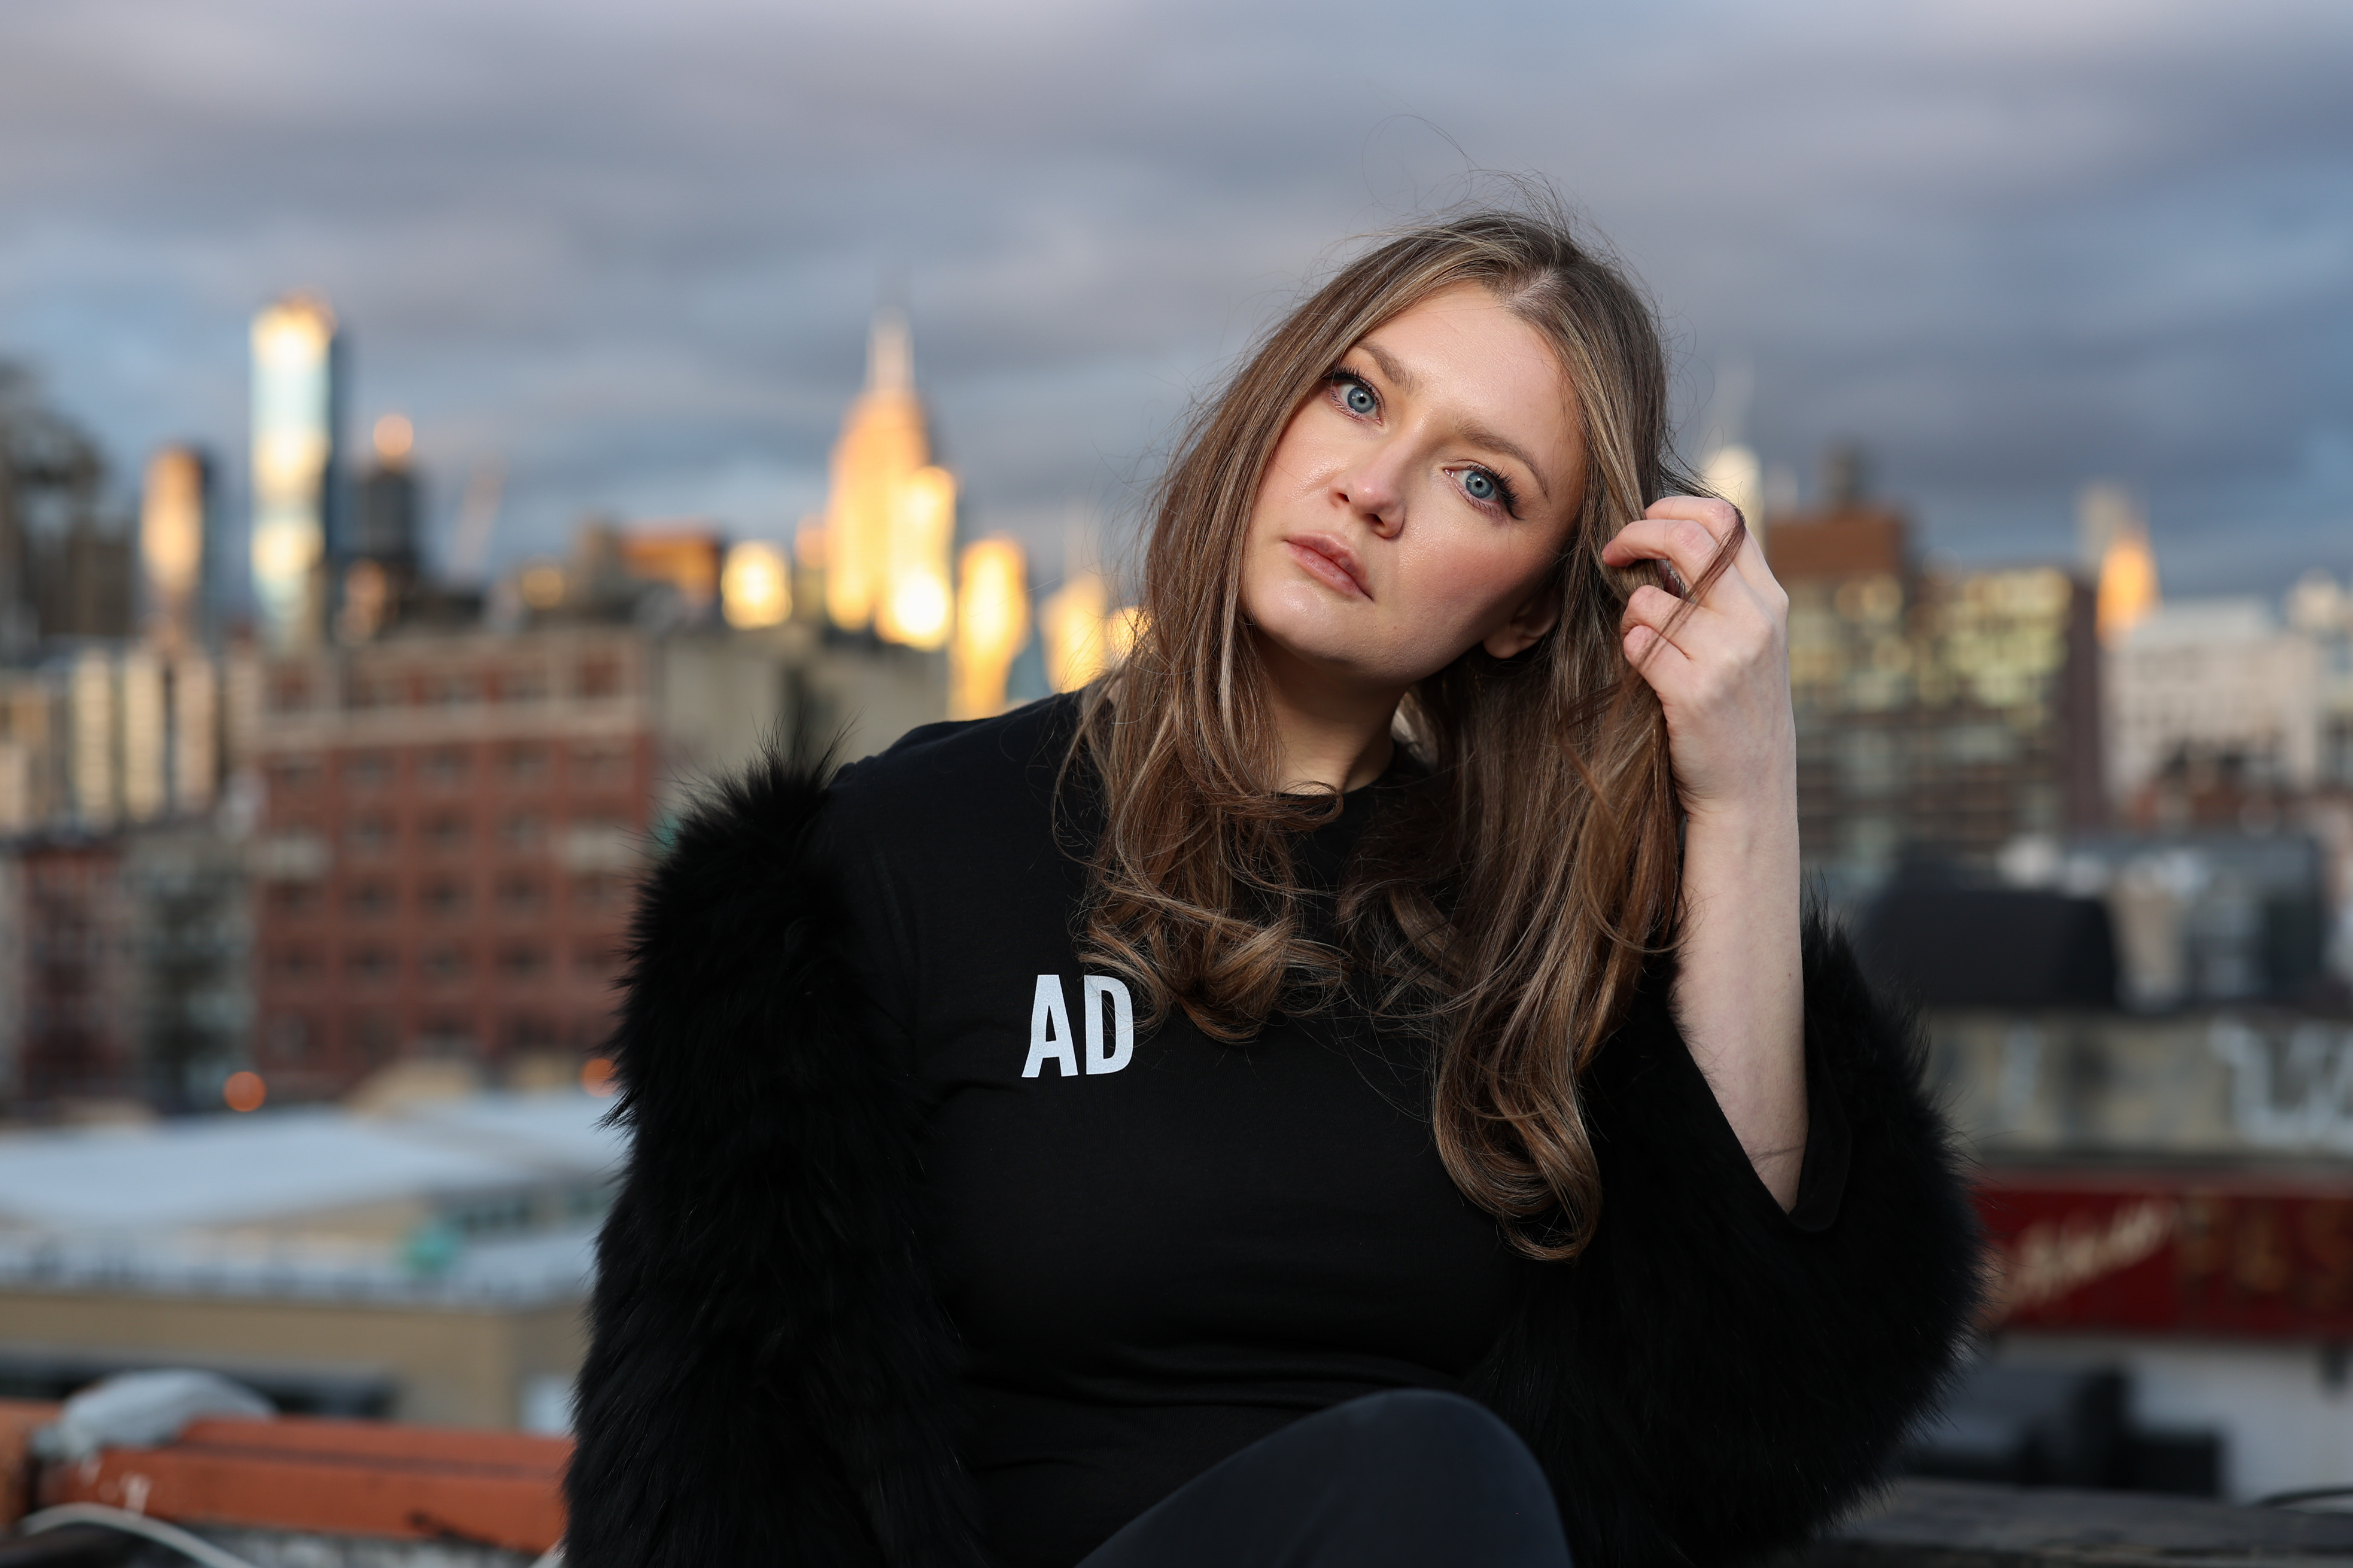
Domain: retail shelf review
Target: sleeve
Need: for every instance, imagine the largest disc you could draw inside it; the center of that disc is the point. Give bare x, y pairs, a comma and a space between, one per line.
1714, 1378
768, 1368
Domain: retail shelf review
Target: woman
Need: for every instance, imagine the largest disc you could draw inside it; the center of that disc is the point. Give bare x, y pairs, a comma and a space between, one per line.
1351, 1086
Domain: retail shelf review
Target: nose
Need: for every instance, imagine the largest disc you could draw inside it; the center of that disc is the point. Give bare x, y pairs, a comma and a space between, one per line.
1374, 490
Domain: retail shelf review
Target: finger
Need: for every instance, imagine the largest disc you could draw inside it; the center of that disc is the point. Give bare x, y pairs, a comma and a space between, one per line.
1680, 621
1654, 658
1720, 519
1684, 543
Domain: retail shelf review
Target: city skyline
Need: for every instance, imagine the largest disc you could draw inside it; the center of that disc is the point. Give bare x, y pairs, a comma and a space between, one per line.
2010, 252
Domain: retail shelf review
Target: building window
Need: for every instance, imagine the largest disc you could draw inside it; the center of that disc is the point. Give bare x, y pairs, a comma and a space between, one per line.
523, 961
290, 899
447, 1029
370, 965
524, 830
594, 960
529, 1031
602, 817
597, 678
377, 1038
526, 764
375, 691
599, 765
448, 833
369, 835
295, 961
289, 1036
453, 688
523, 685
600, 893
371, 901
446, 768
294, 775
368, 770
445, 963
522, 895
445, 899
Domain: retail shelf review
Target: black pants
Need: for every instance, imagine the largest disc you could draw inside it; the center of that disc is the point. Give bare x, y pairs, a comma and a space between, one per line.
1404, 1480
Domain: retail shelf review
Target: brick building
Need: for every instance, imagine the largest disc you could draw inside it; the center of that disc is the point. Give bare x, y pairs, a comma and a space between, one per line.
449, 830
67, 976
451, 824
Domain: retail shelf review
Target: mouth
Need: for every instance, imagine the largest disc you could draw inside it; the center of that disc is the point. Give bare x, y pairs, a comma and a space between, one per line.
1329, 562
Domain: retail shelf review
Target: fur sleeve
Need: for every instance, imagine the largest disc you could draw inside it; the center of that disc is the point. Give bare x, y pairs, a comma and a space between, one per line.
1710, 1379
768, 1373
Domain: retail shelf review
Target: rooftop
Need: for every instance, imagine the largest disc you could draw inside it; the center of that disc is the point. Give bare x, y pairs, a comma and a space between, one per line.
486, 1197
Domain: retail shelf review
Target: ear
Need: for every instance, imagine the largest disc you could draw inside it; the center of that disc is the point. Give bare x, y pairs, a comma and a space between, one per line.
1532, 620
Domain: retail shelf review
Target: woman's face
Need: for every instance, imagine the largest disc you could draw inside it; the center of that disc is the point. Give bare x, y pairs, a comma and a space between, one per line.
1416, 502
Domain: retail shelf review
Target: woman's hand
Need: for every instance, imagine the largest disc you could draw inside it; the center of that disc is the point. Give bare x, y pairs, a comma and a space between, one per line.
1721, 673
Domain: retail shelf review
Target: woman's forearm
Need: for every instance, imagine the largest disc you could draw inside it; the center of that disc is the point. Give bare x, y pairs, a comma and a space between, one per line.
1739, 993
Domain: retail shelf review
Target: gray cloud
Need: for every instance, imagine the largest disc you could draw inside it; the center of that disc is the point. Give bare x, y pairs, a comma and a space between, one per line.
629, 251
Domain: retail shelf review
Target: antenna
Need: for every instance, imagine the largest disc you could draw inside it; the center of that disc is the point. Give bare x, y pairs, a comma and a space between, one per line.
478, 518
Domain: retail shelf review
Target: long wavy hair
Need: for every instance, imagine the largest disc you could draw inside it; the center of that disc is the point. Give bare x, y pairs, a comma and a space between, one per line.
1510, 897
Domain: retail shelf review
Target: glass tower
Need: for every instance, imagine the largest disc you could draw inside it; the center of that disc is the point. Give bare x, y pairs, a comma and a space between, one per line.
295, 398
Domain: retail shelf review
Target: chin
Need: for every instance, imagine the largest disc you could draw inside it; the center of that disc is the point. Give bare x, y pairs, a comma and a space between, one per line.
1339, 651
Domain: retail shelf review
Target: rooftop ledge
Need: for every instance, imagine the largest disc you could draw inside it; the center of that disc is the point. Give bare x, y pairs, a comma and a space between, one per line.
496, 1492
363, 1494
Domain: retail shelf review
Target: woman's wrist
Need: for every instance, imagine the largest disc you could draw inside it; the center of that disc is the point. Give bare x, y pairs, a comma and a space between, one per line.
1745, 827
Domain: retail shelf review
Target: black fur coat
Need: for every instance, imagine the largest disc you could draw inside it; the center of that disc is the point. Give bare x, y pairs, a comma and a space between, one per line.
772, 1382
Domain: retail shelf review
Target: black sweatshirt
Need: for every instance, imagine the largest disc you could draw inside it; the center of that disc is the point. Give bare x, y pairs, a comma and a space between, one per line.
1156, 1248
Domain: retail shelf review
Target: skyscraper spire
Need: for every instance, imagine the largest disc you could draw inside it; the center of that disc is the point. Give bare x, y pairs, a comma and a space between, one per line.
891, 518
889, 352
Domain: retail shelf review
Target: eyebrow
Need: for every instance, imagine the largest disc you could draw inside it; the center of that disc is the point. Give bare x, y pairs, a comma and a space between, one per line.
1477, 435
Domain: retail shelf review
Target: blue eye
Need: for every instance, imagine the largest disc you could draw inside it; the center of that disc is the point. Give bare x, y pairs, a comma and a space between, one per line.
1480, 485
1360, 399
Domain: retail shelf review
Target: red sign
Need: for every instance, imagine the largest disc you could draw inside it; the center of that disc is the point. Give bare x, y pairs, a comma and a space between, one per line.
2234, 1253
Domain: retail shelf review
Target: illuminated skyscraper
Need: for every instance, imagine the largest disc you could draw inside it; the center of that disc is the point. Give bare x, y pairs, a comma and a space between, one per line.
2116, 551
992, 624
891, 517
296, 410
175, 532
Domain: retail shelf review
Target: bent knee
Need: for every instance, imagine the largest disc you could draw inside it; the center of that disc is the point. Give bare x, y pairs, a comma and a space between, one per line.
1426, 1426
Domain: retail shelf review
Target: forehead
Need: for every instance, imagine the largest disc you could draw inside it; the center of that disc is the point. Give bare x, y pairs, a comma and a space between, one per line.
1463, 355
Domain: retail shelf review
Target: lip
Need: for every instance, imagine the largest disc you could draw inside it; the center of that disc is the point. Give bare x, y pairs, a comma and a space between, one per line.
1330, 561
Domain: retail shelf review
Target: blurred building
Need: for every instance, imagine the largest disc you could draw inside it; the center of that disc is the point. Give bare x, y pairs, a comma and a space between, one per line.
65, 564
379, 561
2320, 609
297, 422
68, 1028
422, 1257
992, 623
190, 939
104, 739
176, 543
2206, 680
449, 828
1943, 713
890, 524
2112, 539
452, 823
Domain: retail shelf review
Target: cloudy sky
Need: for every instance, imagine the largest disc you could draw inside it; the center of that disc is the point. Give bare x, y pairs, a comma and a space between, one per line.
628, 251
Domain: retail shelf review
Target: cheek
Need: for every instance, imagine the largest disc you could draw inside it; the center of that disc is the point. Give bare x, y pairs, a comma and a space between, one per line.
1471, 584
